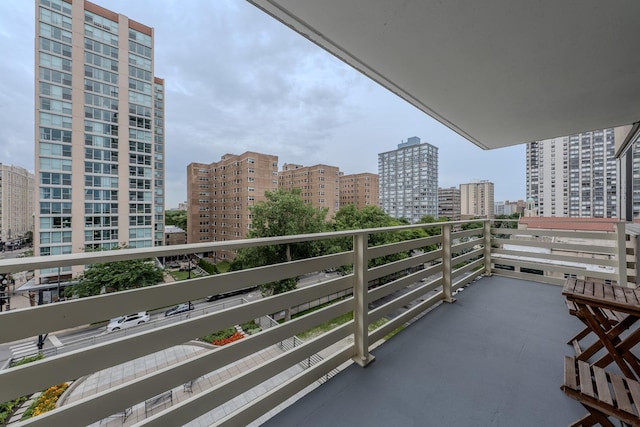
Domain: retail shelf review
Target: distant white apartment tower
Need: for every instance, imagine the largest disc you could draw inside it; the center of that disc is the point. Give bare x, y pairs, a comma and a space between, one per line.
99, 131
574, 176
476, 199
16, 202
408, 180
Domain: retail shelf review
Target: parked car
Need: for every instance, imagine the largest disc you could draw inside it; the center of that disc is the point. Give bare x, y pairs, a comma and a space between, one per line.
180, 308
124, 322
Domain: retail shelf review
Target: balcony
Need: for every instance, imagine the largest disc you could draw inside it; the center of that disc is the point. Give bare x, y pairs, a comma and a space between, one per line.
483, 331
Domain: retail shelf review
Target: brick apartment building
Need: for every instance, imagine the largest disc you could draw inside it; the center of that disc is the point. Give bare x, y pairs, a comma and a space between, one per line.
319, 184
360, 189
219, 196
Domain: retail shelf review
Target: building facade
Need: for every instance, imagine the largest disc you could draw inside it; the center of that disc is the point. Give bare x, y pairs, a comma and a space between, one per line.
95, 86
174, 235
360, 189
220, 194
16, 203
449, 203
408, 177
574, 176
476, 200
319, 184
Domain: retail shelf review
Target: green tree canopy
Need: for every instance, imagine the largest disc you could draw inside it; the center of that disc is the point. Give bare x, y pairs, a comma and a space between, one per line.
351, 218
177, 218
284, 213
116, 276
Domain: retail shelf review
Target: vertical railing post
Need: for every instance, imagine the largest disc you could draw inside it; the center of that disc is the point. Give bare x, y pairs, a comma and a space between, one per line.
622, 253
360, 303
487, 247
446, 263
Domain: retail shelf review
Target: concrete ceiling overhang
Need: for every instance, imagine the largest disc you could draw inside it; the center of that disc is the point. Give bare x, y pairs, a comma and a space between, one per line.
498, 72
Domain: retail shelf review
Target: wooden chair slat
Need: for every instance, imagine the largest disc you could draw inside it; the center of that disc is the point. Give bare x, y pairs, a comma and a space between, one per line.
602, 385
621, 395
586, 386
634, 390
598, 290
570, 372
619, 294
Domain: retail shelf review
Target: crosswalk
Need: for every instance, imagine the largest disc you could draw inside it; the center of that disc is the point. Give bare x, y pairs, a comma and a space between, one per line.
24, 349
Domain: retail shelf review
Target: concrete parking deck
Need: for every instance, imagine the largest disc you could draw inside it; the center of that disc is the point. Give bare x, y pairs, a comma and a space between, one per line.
493, 358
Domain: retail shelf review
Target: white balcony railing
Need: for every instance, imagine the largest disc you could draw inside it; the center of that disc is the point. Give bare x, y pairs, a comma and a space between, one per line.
412, 284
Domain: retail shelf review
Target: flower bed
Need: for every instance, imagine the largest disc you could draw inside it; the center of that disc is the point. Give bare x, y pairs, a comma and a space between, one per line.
46, 401
235, 337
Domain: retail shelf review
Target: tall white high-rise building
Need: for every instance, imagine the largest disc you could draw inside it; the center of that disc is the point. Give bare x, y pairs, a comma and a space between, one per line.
16, 202
408, 180
574, 176
99, 131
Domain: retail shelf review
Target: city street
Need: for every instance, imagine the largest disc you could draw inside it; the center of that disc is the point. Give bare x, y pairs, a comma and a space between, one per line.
84, 336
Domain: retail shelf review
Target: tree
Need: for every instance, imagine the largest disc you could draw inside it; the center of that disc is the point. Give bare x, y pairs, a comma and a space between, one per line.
177, 218
28, 237
284, 213
116, 276
350, 218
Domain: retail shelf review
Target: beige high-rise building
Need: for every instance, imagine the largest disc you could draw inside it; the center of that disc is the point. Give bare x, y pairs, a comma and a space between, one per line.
476, 200
16, 202
219, 196
319, 184
360, 189
95, 86
449, 203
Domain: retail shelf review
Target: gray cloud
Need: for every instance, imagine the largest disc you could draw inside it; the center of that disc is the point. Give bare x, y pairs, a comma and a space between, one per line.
237, 80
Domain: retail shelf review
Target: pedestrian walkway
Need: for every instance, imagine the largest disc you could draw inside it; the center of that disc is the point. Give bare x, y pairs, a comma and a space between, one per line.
24, 349
117, 375
17, 415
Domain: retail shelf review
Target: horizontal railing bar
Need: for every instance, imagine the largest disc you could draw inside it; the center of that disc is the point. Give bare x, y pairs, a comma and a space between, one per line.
467, 244
593, 235
401, 283
554, 245
466, 279
557, 257
404, 246
556, 268
392, 325
403, 300
129, 394
279, 394
204, 401
456, 235
39, 375
467, 256
18, 324
392, 267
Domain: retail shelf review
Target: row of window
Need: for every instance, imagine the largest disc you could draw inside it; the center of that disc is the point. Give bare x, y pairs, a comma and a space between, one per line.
100, 61
56, 62
54, 18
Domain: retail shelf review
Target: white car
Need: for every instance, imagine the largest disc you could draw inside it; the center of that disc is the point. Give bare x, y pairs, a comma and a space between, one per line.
124, 322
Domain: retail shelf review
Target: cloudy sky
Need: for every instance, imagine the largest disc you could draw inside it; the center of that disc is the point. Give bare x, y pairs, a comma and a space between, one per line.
237, 80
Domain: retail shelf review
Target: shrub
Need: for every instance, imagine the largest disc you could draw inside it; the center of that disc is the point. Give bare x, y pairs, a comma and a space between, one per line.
220, 335
27, 360
207, 266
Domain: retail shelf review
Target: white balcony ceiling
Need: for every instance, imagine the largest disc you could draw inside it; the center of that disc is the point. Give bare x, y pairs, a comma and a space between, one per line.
498, 72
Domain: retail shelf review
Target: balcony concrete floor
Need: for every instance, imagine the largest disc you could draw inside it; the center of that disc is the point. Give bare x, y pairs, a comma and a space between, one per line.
493, 358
